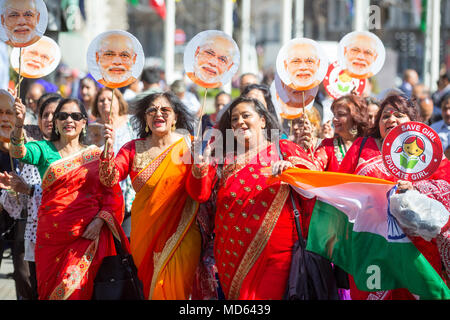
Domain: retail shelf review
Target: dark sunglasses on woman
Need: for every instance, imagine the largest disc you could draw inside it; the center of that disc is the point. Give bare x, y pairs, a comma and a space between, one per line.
76, 116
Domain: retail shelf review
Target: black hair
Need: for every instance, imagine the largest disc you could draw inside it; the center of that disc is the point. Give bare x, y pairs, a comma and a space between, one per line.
185, 120
45, 100
55, 135
151, 75
267, 96
225, 120
400, 103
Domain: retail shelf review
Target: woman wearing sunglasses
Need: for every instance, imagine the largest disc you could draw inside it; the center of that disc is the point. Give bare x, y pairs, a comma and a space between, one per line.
77, 215
165, 238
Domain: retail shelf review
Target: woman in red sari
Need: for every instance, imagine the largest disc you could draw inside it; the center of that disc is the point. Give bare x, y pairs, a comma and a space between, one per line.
395, 110
350, 122
254, 224
77, 216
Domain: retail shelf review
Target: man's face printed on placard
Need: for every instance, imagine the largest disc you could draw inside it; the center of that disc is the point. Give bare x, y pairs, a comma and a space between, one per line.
360, 54
116, 58
213, 59
19, 19
302, 63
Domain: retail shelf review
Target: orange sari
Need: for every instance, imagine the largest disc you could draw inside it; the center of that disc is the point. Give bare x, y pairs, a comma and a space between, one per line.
66, 263
165, 238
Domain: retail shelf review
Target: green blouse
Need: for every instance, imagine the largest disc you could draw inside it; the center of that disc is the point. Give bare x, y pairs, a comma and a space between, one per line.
41, 154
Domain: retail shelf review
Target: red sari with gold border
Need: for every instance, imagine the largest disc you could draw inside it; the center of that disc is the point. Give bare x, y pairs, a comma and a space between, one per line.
370, 163
254, 224
66, 263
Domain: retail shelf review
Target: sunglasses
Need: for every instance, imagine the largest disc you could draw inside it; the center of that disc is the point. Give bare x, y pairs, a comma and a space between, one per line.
165, 111
76, 116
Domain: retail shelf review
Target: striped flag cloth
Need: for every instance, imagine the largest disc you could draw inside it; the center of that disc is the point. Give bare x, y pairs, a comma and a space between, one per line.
352, 227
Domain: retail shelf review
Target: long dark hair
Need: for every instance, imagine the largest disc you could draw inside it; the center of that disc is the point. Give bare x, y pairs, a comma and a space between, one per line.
267, 96
56, 136
50, 98
185, 120
400, 103
225, 120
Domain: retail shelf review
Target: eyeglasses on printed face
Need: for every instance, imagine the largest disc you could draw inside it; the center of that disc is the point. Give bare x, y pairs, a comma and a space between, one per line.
76, 116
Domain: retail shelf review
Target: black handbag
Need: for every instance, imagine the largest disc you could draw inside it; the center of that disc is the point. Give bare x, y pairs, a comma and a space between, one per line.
117, 278
311, 277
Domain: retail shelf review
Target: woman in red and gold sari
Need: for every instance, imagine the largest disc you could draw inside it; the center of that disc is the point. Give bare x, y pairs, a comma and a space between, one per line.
77, 216
165, 239
254, 225
366, 160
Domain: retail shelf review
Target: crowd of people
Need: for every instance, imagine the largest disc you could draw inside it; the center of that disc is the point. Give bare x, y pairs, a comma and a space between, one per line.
86, 163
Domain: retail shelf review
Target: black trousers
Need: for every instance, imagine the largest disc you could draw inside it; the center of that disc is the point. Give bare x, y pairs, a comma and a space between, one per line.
13, 236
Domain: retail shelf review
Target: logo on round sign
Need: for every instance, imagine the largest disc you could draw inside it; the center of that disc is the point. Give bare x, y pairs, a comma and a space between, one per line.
412, 151
338, 82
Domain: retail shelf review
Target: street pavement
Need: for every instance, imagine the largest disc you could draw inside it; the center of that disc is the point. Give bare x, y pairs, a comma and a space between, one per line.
7, 288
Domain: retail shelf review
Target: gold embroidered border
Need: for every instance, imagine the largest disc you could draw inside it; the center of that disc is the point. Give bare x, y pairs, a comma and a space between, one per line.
199, 172
160, 259
17, 151
141, 179
108, 218
259, 242
297, 160
108, 174
74, 274
63, 166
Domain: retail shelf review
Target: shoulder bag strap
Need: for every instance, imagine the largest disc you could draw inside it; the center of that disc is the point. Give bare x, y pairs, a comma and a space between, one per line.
294, 206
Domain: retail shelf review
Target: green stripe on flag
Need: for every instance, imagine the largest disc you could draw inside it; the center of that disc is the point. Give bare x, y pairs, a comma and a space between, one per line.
133, 2
374, 263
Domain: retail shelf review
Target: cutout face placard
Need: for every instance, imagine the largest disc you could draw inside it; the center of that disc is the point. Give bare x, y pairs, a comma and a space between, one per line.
361, 53
38, 60
6, 115
115, 58
211, 59
23, 22
289, 104
302, 64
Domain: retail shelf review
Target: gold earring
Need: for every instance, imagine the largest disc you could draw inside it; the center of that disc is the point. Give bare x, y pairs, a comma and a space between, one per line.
56, 130
147, 129
173, 126
354, 131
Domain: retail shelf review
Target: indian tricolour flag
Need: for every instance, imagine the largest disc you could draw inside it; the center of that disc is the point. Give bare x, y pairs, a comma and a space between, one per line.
352, 227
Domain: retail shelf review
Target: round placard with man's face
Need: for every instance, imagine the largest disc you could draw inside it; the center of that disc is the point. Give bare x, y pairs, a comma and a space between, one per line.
211, 59
7, 115
361, 53
412, 151
115, 58
38, 60
23, 22
302, 64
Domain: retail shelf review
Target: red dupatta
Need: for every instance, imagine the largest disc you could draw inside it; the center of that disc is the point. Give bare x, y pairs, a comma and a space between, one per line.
66, 263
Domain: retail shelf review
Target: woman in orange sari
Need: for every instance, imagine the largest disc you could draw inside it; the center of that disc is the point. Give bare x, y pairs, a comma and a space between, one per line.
165, 238
254, 225
77, 216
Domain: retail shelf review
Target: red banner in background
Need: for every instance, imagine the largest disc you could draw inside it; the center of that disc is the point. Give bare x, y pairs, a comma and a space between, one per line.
159, 6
